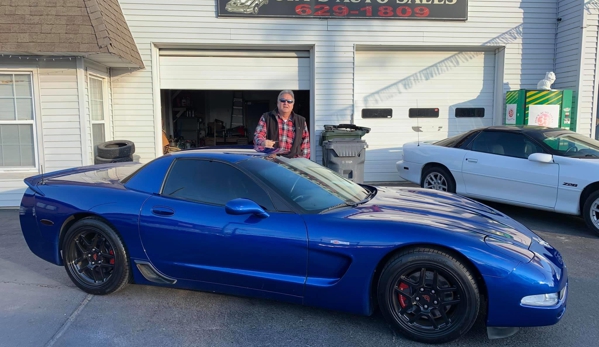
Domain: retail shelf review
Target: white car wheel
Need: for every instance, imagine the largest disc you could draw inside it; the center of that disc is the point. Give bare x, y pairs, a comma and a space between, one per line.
591, 211
435, 181
438, 178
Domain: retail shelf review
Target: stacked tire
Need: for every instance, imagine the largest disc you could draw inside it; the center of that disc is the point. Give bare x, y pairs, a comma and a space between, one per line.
116, 151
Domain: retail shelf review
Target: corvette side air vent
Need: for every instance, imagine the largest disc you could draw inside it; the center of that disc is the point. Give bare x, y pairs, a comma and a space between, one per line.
151, 274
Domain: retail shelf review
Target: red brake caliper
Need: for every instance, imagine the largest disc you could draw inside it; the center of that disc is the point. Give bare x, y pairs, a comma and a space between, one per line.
111, 260
402, 298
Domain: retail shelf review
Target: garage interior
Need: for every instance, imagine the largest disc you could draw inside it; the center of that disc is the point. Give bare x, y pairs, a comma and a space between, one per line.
197, 118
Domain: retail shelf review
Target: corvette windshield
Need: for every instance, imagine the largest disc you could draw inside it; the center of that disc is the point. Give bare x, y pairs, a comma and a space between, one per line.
313, 187
570, 144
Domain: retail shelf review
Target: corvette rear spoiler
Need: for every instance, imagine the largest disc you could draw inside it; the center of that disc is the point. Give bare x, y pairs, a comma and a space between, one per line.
34, 182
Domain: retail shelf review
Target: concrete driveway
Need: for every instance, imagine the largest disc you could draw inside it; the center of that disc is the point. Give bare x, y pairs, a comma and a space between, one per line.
39, 306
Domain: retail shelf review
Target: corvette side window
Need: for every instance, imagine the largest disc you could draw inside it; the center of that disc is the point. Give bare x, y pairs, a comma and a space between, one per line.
213, 183
505, 143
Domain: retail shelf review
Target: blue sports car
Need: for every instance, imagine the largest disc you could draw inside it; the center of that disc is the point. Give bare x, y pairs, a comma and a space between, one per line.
245, 223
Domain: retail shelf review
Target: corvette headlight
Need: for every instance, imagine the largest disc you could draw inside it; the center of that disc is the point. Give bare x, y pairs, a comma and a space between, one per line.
540, 299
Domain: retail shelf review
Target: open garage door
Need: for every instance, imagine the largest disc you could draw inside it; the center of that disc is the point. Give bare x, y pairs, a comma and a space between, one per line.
234, 70
429, 94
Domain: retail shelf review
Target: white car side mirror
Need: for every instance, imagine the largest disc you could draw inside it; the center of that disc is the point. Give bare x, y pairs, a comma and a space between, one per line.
541, 157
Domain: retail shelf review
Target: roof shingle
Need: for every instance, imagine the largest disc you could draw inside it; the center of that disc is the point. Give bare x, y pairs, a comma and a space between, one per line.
74, 26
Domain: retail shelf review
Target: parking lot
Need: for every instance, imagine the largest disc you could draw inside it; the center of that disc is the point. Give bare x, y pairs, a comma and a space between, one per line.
39, 306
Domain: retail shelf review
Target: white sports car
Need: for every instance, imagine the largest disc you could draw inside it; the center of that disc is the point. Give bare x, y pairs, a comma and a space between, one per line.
536, 167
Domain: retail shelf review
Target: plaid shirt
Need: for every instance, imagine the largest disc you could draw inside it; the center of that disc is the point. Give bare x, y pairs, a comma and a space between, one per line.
286, 136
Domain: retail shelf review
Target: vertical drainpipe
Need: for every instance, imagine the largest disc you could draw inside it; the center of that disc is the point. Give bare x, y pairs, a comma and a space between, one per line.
595, 108
155, 54
83, 119
111, 95
557, 21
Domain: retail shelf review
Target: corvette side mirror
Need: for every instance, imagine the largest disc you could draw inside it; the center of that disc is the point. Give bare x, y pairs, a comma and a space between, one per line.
245, 206
541, 157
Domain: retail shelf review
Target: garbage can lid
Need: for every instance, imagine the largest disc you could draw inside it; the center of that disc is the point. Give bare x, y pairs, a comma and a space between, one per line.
348, 127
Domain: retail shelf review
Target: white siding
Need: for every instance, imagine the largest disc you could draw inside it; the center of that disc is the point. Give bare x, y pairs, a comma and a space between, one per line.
133, 108
526, 28
568, 40
57, 108
60, 115
587, 97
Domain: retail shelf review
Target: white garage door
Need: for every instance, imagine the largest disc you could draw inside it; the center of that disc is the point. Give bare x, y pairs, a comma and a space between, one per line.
234, 70
399, 81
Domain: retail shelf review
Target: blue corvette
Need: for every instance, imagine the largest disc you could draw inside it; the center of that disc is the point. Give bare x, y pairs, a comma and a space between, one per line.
246, 223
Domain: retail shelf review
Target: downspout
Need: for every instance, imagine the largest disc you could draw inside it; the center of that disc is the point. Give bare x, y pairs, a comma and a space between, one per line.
112, 132
84, 122
557, 21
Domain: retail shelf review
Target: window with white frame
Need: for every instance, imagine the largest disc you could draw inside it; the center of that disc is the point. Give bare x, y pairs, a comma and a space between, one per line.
17, 119
96, 109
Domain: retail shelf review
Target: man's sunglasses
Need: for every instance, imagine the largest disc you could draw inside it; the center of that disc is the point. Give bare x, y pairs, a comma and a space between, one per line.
285, 100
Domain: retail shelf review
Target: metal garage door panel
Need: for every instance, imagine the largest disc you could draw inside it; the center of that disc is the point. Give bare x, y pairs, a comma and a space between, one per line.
234, 73
404, 80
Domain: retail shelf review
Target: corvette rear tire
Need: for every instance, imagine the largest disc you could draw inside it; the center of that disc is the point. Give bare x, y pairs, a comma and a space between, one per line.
590, 211
441, 308
95, 257
438, 178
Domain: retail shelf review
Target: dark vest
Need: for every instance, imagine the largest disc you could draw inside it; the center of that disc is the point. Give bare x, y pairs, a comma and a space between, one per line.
272, 131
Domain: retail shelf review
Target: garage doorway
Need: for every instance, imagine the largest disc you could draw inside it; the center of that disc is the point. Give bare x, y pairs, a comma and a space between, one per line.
198, 118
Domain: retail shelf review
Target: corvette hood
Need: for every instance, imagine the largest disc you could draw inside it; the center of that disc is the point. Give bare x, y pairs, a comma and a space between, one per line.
448, 211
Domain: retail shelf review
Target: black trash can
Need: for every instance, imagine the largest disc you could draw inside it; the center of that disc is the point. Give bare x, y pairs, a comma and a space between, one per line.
344, 151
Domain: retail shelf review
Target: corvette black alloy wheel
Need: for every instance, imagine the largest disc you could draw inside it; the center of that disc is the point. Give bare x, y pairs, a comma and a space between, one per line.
95, 257
428, 296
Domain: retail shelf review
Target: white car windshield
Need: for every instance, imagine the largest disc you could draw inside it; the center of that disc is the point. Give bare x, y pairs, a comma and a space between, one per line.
570, 144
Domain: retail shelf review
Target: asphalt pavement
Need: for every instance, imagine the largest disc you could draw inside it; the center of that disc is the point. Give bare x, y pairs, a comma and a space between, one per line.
39, 306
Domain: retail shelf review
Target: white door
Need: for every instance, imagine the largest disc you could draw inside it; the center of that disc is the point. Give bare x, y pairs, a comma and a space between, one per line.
450, 82
234, 70
496, 167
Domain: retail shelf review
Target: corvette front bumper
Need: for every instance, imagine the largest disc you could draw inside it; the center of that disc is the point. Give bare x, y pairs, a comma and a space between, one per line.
546, 273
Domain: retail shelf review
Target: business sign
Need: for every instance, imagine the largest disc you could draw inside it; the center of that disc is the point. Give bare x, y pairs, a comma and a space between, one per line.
379, 9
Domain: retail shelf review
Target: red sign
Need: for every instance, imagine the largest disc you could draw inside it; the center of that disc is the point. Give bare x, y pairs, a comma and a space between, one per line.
387, 9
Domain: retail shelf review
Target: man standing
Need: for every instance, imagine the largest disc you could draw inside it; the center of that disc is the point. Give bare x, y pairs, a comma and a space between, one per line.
283, 130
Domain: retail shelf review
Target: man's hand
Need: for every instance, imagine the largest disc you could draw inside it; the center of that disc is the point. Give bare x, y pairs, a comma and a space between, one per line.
269, 143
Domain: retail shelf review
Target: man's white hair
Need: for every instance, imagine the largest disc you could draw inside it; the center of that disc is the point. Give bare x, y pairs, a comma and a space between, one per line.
286, 92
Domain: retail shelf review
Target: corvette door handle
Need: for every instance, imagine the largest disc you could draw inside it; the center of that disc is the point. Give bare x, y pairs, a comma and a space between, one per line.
162, 211
470, 160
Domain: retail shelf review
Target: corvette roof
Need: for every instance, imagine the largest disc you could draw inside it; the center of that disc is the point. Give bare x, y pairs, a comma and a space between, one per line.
230, 154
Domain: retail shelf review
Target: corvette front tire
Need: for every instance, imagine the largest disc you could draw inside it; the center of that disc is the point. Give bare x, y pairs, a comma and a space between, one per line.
428, 296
